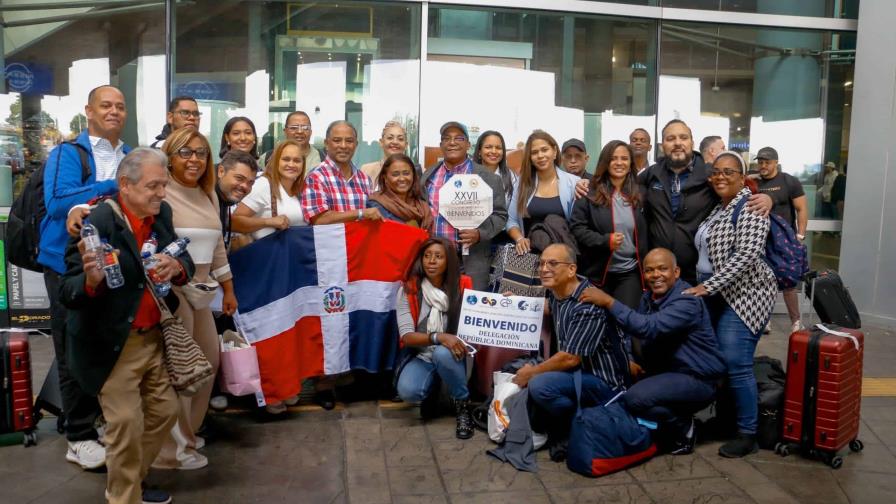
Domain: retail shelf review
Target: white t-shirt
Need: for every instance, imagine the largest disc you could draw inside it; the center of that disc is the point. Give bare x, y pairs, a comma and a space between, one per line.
259, 201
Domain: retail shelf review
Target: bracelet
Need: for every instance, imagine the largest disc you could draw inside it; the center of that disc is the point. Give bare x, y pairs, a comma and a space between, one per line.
520, 239
360, 214
434, 338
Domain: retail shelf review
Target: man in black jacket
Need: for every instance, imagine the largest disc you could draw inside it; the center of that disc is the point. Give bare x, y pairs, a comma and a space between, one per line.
114, 343
678, 197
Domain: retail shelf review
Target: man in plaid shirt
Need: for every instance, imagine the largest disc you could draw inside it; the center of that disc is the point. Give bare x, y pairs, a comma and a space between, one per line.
336, 191
455, 142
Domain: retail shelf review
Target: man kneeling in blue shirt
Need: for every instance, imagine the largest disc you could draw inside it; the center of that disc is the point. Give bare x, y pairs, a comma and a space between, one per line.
679, 350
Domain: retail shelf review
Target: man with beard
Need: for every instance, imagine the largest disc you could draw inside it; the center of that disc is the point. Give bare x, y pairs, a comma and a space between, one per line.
183, 112
236, 176
639, 140
790, 202
678, 197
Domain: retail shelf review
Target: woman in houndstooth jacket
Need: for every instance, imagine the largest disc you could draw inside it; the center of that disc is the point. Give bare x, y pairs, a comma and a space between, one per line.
741, 286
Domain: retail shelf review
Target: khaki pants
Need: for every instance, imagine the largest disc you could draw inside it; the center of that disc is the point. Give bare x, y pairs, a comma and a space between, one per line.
140, 407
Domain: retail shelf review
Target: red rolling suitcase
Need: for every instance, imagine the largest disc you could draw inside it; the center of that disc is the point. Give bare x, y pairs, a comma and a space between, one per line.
823, 394
16, 409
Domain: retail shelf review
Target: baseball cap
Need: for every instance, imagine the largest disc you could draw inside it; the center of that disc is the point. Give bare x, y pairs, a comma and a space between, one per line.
573, 142
454, 124
767, 153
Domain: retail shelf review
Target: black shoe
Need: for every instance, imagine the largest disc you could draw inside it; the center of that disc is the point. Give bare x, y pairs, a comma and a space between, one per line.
557, 449
429, 407
684, 445
743, 444
464, 420
325, 399
155, 496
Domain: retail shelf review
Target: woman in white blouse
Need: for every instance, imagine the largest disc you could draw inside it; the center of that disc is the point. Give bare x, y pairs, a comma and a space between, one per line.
260, 215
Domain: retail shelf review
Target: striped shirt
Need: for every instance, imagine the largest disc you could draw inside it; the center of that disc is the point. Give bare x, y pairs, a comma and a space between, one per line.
582, 330
106, 157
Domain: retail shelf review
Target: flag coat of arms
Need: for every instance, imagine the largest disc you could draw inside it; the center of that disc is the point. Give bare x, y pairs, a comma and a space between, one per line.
320, 300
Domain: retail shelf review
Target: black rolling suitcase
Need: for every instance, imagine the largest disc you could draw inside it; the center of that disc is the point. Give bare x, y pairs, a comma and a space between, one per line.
831, 299
50, 398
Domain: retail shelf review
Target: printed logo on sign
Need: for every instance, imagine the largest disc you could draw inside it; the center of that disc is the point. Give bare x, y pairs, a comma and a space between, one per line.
458, 183
505, 302
19, 77
474, 183
488, 301
471, 299
523, 305
536, 307
334, 300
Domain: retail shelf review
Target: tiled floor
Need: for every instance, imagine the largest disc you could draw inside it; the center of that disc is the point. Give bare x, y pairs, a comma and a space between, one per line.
365, 452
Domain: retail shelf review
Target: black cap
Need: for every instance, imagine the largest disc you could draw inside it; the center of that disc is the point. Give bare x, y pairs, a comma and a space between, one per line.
767, 153
573, 142
454, 124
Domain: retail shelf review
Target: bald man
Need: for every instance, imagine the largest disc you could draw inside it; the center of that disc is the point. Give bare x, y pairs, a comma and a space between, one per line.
679, 351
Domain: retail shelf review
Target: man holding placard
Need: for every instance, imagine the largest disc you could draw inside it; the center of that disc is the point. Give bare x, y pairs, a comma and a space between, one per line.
471, 216
584, 341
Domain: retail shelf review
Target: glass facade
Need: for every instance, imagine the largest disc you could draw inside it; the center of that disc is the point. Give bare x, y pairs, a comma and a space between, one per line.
593, 75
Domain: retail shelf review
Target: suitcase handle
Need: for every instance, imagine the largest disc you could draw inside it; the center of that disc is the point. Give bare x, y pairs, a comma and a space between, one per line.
832, 332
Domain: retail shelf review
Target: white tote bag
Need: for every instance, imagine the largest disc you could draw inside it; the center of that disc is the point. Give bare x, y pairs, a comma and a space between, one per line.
498, 419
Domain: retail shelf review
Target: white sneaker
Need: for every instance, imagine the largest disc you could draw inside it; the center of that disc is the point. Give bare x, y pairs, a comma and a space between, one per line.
797, 326
291, 401
89, 454
191, 460
218, 403
200, 442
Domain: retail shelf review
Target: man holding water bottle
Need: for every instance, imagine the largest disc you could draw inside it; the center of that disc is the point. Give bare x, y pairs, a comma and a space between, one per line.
113, 335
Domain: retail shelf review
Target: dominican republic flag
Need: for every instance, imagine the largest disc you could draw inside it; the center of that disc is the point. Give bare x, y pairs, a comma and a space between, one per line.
320, 300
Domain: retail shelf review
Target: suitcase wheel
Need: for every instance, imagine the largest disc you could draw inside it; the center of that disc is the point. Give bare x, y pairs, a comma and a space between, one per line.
856, 445
30, 439
836, 462
782, 449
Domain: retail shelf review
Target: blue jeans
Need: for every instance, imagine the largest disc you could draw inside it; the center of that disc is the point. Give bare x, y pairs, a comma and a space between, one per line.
670, 399
418, 377
738, 344
553, 395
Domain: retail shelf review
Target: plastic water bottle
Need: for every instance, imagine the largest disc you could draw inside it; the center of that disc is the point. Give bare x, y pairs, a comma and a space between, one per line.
92, 243
149, 264
150, 245
111, 268
177, 247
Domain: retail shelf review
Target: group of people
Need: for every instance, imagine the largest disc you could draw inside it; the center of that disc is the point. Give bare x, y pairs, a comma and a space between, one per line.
657, 285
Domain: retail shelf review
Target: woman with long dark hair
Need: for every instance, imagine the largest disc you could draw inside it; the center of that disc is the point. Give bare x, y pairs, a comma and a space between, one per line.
428, 308
542, 189
610, 228
239, 134
491, 152
400, 196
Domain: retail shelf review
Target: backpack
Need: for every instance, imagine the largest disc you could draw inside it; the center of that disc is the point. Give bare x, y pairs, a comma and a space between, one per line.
604, 439
784, 253
27, 212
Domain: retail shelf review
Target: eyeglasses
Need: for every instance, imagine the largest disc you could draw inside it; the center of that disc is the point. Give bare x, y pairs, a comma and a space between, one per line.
551, 263
186, 114
727, 172
187, 153
456, 139
298, 127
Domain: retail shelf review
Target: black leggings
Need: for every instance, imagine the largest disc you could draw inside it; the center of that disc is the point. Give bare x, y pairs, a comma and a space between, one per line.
626, 287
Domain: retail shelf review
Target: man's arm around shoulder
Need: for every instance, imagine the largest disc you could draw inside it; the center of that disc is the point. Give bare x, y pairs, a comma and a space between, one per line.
675, 315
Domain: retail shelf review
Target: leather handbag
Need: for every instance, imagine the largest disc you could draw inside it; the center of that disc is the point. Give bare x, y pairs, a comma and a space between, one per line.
188, 368
241, 240
199, 294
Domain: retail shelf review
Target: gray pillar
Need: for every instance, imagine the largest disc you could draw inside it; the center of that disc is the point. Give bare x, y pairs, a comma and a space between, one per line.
868, 247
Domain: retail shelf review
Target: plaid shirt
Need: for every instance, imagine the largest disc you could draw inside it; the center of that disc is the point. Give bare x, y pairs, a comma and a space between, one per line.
326, 189
440, 226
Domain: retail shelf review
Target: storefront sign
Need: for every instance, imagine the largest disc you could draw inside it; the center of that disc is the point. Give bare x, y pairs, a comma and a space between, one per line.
501, 321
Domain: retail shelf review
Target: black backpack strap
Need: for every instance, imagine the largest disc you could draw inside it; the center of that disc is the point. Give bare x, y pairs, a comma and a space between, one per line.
85, 160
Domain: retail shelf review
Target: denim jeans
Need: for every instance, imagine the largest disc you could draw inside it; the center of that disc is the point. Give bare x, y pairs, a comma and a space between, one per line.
418, 377
738, 344
670, 399
553, 397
